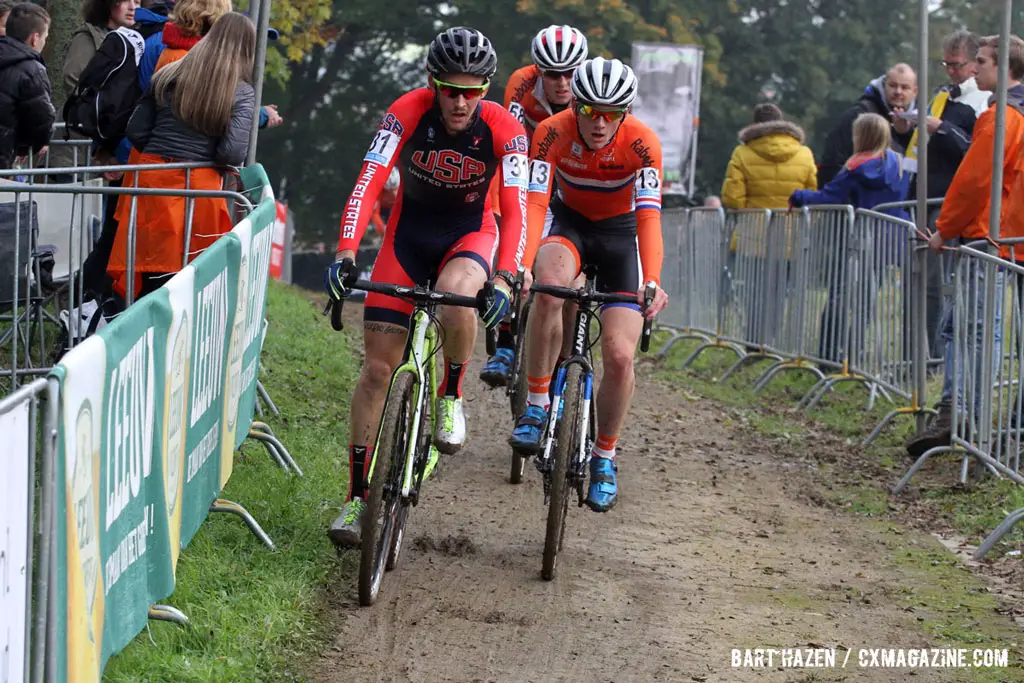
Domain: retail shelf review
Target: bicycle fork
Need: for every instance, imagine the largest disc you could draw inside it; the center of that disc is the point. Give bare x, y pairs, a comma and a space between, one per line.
578, 466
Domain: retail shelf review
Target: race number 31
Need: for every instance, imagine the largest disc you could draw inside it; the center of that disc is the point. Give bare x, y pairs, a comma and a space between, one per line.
383, 147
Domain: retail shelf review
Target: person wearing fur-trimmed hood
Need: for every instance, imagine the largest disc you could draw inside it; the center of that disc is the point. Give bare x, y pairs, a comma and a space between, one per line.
770, 163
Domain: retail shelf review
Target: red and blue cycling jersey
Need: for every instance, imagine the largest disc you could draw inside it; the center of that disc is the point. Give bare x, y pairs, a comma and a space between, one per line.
444, 178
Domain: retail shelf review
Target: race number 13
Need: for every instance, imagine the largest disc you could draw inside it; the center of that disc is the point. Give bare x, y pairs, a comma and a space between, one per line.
540, 176
648, 183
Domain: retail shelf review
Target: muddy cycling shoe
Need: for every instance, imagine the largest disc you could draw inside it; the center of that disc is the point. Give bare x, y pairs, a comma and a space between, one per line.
529, 431
347, 530
604, 490
451, 425
495, 372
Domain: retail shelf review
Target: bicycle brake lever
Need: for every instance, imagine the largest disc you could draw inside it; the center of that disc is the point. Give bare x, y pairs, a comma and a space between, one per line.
334, 307
645, 336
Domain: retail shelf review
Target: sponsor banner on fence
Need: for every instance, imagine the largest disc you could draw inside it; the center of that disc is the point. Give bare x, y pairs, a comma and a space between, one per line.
113, 546
668, 101
215, 290
15, 525
256, 235
153, 407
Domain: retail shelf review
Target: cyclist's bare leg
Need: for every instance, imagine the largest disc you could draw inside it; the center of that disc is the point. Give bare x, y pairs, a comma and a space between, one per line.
555, 266
383, 344
620, 332
460, 276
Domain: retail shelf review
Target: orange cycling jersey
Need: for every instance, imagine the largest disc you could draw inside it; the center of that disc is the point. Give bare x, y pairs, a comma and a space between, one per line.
619, 181
524, 97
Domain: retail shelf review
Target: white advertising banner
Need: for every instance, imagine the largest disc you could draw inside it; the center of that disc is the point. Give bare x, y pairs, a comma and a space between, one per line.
668, 101
15, 524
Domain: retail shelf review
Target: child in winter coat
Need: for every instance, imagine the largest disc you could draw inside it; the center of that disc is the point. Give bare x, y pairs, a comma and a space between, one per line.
26, 112
872, 176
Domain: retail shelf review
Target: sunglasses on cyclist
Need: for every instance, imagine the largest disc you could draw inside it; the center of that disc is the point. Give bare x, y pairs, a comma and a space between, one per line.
453, 90
593, 113
556, 75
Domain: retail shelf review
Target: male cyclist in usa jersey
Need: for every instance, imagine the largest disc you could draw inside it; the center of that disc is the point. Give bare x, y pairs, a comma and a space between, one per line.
607, 213
534, 93
448, 144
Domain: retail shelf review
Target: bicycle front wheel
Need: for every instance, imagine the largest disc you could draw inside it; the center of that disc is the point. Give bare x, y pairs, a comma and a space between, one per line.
565, 449
383, 514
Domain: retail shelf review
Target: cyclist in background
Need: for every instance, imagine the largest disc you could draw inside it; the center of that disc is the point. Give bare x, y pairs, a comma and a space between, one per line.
534, 93
449, 143
607, 213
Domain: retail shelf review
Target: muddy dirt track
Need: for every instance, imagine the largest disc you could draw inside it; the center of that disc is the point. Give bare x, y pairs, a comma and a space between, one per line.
715, 543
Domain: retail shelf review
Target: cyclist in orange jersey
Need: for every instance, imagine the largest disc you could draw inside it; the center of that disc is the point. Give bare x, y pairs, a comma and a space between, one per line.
607, 213
534, 93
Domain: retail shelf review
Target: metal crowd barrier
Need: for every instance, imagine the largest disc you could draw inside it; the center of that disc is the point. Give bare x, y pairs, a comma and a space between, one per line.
824, 290
984, 386
62, 222
43, 428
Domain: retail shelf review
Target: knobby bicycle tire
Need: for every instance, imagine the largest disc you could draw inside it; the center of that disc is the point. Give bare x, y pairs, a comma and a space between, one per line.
426, 438
390, 452
568, 441
520, 390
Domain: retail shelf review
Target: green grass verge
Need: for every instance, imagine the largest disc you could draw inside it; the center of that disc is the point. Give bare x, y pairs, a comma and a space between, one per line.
257, 615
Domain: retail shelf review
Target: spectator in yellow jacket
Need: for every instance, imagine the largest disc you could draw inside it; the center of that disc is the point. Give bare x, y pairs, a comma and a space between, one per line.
771, 163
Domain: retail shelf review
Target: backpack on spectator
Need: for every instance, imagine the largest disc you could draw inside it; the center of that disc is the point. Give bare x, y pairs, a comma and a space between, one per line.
108, 90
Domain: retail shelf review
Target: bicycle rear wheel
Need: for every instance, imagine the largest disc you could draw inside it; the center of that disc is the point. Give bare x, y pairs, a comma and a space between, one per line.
384, 514
565, 449
519, 392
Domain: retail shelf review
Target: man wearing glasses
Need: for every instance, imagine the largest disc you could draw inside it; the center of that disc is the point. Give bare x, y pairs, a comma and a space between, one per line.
534, 93
951, 116
607, 212
449, 144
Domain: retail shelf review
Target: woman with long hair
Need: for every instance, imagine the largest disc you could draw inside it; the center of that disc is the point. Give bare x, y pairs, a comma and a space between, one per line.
200, 108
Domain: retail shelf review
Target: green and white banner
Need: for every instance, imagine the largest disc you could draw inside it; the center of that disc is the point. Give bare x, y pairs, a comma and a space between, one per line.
153, 407
113, 556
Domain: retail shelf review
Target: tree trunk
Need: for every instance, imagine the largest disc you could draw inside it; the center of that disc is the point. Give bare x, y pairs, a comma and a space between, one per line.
65, 17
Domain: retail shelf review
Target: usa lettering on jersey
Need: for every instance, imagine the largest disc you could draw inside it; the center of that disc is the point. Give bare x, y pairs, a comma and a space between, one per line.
448, 167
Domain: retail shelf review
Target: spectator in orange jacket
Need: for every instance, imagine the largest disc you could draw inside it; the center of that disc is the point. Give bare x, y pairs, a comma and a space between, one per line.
965, 215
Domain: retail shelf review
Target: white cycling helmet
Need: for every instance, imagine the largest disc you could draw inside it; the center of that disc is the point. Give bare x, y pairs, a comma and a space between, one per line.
602, 82
559, 48
393, 180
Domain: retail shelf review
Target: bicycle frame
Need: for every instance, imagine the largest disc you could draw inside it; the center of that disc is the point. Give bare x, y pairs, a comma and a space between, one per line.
420, 348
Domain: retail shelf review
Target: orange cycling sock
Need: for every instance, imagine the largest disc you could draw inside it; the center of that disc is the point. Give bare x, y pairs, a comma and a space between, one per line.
605, 446
358, 465
452, 386
539, 391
